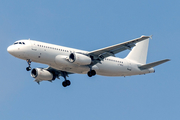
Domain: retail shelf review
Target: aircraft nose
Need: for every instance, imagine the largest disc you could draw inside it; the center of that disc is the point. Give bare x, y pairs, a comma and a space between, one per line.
10, 49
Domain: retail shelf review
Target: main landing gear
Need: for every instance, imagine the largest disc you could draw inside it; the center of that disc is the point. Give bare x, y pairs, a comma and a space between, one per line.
29, 65
66, 82
91, 73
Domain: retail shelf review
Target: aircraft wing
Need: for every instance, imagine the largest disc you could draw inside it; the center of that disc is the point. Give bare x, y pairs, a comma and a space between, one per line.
100, 54
58, 72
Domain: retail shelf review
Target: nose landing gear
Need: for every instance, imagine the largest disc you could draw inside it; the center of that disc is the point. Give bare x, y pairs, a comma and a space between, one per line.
29, 65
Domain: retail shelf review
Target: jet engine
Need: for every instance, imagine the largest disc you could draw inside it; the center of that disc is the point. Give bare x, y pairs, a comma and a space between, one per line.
41, 74
79, 59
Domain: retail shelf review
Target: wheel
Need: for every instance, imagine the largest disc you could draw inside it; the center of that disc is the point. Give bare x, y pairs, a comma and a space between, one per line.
93, 72
28, 68
68, 82
64, 84
89, 74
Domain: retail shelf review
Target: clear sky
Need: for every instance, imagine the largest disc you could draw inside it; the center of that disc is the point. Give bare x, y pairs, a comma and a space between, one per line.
90, 25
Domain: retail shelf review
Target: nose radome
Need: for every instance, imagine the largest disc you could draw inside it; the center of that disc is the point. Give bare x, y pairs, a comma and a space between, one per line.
10, 49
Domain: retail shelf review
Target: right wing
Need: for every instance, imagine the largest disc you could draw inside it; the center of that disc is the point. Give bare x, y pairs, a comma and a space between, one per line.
111, 50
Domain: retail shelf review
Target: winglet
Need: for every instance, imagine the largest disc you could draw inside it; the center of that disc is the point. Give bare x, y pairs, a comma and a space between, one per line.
147, 36
150, 65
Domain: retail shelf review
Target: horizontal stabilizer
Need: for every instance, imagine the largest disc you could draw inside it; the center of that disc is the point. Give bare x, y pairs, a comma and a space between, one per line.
150, 65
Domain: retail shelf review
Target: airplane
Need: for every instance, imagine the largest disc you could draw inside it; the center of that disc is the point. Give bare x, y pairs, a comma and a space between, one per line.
64, 61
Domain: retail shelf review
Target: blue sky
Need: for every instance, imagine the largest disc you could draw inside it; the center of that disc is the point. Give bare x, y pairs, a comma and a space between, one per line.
91, 25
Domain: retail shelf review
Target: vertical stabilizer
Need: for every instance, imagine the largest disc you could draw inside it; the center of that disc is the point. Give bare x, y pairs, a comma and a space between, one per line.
139, 52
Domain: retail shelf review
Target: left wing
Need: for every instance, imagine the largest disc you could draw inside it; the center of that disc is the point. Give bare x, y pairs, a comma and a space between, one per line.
100, 54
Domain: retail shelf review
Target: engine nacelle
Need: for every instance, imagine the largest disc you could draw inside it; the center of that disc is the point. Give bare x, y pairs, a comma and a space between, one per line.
62, 60
41, 74
79, 59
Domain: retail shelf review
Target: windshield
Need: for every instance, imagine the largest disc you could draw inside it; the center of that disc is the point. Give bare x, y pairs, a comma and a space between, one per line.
19, 43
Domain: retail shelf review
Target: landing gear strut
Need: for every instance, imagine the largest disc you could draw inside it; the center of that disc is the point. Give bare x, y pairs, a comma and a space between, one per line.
91, 73
66, 82
29, 65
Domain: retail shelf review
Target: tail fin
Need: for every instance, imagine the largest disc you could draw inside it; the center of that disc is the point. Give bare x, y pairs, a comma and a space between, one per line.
139, 52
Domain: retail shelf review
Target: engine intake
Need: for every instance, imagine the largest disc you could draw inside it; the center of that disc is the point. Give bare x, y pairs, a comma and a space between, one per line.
41, 74
79, 59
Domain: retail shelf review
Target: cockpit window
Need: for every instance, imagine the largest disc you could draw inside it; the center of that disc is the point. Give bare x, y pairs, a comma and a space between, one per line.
19, 43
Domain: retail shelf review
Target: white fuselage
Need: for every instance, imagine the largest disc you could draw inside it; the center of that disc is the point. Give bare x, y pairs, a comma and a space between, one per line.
56, 57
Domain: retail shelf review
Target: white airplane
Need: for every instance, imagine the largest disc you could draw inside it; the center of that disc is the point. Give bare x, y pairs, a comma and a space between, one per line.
63, 61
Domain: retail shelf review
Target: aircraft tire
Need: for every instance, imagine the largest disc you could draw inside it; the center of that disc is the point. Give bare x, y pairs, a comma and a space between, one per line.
28, 68
89, 74
66, 83
93, 72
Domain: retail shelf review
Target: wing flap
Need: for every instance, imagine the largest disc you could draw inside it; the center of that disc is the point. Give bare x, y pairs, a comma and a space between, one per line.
150, 65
